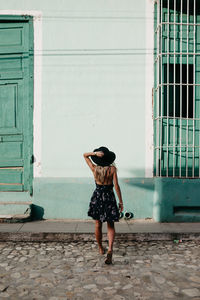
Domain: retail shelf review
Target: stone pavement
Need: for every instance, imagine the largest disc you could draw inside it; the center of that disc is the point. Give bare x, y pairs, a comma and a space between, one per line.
158, 270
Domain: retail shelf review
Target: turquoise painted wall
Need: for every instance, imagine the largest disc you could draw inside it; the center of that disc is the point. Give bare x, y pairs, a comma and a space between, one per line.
176, 200
69, 198
163, 199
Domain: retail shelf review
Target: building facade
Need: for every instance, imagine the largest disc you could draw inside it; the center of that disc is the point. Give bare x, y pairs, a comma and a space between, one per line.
76, 75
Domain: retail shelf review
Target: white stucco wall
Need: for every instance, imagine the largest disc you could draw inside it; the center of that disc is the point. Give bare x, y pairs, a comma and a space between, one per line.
93, 59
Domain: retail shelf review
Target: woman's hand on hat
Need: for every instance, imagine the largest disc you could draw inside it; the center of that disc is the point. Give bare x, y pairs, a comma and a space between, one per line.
99, 153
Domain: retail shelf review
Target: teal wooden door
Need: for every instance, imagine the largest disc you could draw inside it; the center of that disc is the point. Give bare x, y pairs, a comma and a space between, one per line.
16, 95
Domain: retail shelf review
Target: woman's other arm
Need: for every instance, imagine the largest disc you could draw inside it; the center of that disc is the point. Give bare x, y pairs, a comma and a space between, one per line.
118, 190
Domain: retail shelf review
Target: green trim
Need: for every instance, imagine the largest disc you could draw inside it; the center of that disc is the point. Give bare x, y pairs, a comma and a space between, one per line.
31, 100
28, 117
21, 18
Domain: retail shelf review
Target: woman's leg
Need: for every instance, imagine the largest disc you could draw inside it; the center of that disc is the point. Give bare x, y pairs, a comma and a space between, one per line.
98, 235
111, 235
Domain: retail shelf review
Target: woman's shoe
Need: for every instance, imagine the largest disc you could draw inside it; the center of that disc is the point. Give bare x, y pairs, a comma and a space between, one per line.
128, 215
108, 259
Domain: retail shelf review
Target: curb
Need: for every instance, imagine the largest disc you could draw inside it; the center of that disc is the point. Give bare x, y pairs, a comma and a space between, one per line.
90, 237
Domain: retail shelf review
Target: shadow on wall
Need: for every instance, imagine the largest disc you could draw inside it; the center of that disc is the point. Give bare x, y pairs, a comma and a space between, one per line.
140, 181
37, 212
174, 199
138, 194
68, 198
163, 199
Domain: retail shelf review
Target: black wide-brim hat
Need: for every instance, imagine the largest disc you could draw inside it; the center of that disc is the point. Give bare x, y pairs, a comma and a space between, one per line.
105, 160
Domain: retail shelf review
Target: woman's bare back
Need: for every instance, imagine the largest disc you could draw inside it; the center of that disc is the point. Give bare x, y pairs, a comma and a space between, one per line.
104, 175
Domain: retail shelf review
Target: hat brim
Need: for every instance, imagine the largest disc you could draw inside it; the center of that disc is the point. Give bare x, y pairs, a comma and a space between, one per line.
105, 160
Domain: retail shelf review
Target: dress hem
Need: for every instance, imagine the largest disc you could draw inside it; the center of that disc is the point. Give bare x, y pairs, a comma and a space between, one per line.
106, 220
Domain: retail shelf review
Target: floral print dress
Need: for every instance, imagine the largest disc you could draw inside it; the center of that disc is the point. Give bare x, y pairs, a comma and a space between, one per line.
103, 205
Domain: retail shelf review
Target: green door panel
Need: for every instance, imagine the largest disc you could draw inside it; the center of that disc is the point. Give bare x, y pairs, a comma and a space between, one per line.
11, 187
14, 37
11, 154
11, 138
11, 66
11, 107
11, 179
11, 176
16, 97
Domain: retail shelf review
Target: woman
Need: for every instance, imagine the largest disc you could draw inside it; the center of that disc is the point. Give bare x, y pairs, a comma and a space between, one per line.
103, 206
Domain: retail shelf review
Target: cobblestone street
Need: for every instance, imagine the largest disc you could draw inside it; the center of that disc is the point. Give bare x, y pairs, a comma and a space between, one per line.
140, 270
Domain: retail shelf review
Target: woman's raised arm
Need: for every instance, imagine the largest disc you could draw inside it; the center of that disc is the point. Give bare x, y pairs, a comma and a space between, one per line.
87, 159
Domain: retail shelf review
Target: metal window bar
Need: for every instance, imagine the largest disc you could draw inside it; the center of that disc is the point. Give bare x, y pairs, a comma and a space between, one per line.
178, 118
161, 90
178, 53
168, 41
194, 81
158, 93
179, 23
174, 111
178, 84
181, 82
180, 144
173, 146
187, 108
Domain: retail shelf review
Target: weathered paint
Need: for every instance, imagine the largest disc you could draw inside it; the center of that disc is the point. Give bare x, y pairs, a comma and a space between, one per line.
13, 209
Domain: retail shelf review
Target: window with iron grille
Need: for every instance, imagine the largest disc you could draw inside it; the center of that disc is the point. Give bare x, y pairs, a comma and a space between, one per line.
177, 88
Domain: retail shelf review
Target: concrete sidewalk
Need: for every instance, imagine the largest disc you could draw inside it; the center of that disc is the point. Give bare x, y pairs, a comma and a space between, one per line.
77, 230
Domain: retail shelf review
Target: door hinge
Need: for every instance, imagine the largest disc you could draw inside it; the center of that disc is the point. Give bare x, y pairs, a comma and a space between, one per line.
32, 159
